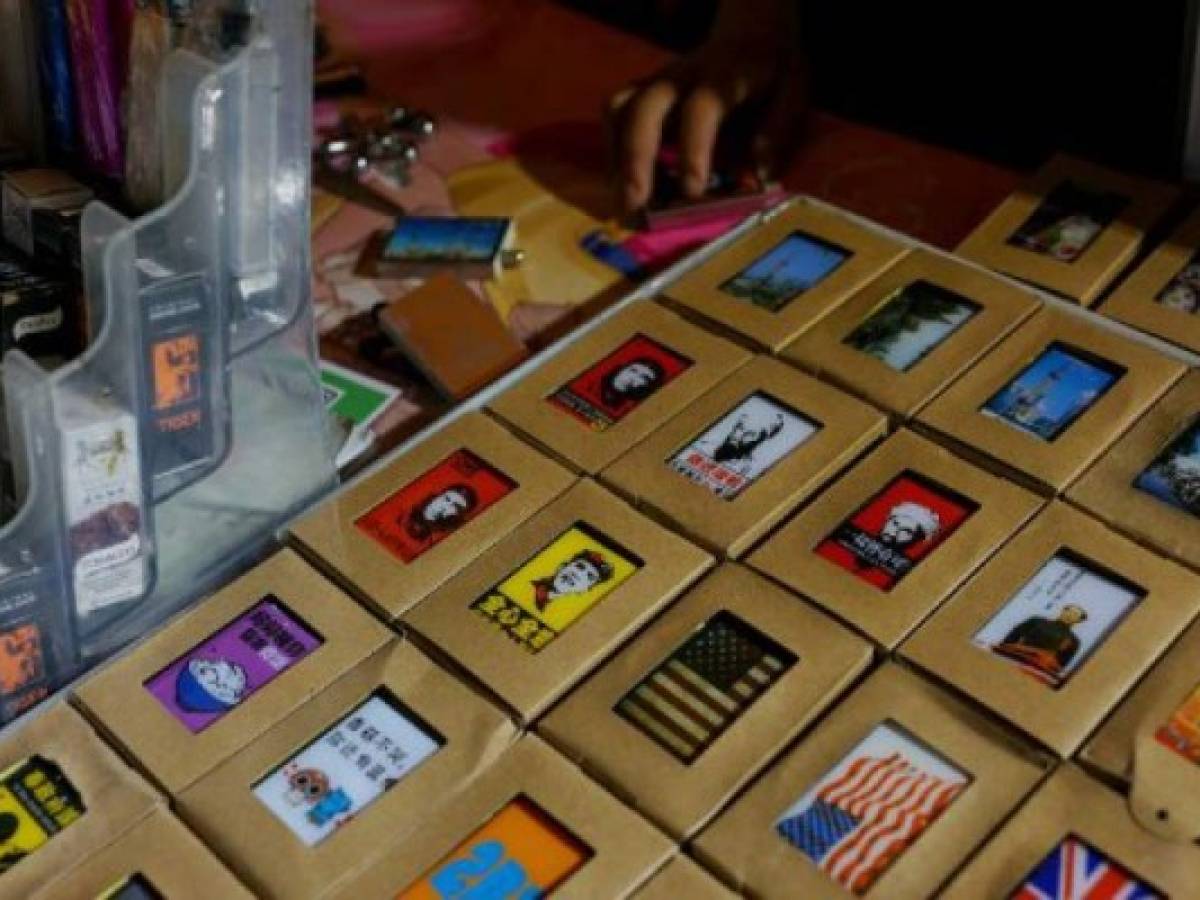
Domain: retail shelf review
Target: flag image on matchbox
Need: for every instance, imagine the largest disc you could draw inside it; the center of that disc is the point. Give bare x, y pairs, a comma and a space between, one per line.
396, 536
782, 277
688, 713
1072, 229
735, 462
885, 798
1051, 398
1076, 840
889, 542
912, 331
616, 385
1058, 626
1148, 484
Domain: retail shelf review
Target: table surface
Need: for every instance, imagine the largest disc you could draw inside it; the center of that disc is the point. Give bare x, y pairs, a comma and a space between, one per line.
522, 66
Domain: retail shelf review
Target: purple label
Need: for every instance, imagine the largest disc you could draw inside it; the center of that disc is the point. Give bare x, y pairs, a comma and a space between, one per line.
233, 664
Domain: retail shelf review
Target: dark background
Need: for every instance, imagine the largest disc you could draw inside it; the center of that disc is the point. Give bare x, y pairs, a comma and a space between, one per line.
1011, 82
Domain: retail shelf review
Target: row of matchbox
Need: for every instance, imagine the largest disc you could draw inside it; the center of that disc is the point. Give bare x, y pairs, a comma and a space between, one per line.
661, 559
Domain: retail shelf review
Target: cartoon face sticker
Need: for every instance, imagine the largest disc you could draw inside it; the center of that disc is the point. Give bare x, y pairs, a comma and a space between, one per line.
306, 787
210, 685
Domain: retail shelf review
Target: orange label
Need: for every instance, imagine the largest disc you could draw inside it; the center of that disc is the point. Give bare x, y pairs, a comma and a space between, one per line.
176, 371
1182, 731
521, 853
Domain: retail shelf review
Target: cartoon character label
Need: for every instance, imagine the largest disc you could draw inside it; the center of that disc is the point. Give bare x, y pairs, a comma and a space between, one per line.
1068, 220
618, 384
542, 598
521, 853
347, 768
233, 664
896, 529
871, 807
427, 511
796, 265
743, 446
1058, 619
1181, 732
1075, 870
36, 803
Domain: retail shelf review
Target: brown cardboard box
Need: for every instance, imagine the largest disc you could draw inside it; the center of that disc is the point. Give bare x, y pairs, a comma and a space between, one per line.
682, 879
502, 621
745, 667
895, 727
269, 854
392, 503
907, 335
562, 831
115, 798
942, 519
1159, 442
1072, 805
119, 699
1078, 438
166, 856
706, 290
1006, 639
1123, 206
561, 405
1161, 296
796, 433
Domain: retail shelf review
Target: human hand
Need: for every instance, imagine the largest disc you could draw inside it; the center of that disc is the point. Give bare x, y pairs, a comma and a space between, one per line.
750, 77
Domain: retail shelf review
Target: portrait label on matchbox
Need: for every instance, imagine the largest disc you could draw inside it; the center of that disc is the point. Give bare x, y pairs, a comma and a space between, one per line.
1058, 619
233, 664
797, 264
916, 320
1174, 476
427, 511
37, 801
867, 811
520, 853
1182, 292
1075, 870
693, 697
898, 528
1181, 732
617, 385
743, 445
1068, 220
1050, 394
347, 768
557, 587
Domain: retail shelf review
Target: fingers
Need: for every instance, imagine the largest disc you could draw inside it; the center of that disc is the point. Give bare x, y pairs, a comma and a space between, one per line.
641, 130
699, 125
782, 124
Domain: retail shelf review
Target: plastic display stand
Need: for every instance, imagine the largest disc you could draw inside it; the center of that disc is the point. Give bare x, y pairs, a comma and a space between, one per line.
164, 460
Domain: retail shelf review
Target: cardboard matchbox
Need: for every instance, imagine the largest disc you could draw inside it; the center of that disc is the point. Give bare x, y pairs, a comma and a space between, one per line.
884, 546
1162, 295
397, 535
440, 732
114, 797
894, 727
685, 716
1073, 228
532, 825
1051, 398
1013, 637
739, 459
784, 276
160, 855
532, 616
1148, 484
614, 386
1074, 824
280, 635
907, 335
683, 878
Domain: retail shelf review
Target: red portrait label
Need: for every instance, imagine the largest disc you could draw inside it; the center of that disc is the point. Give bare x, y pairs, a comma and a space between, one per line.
431, 508
618, 384
896, 529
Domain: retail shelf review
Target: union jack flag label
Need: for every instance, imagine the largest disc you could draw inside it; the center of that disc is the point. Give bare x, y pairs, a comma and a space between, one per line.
1075, 870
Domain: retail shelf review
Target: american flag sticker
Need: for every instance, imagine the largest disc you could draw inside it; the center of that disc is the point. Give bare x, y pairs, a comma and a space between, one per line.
867, 811
1075, 870
693, 697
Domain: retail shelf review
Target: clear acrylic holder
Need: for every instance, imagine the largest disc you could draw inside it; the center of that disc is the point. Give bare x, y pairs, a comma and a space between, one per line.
165, 459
